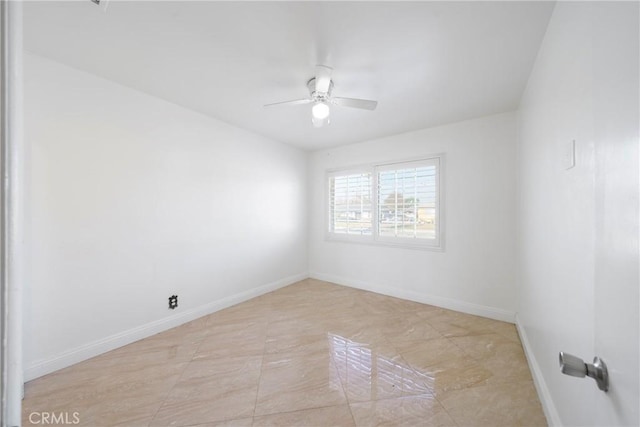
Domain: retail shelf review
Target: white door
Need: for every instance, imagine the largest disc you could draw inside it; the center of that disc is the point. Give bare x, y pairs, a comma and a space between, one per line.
617, 262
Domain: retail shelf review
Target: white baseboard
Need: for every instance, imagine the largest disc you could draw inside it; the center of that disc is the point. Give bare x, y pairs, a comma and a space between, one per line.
95, 348
549, 408
448, 303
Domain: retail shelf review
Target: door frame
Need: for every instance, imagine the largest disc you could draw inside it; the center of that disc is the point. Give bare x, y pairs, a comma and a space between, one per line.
11, 210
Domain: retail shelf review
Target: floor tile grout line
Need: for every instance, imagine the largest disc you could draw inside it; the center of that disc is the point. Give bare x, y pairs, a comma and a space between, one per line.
437, 399
206, 333
414, 370
446, 410
351, 402
264, 351
342, 381
300, 410
407, 397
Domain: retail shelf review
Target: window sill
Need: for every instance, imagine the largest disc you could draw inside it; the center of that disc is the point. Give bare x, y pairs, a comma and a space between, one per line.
371, 241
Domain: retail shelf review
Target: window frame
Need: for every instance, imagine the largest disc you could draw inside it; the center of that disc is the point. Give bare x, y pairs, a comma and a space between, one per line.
345, 237
374, 169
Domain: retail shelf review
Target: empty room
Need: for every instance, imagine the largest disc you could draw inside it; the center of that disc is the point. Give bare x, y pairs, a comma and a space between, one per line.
320, 213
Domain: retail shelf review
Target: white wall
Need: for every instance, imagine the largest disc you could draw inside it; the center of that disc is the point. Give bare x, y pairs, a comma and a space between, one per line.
584, 87
476, 271
134, 199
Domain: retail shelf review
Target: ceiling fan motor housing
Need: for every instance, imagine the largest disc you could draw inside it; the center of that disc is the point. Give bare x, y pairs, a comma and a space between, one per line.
318, 96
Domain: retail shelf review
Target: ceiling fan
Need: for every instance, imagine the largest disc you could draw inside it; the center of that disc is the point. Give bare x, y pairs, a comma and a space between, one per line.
320, 96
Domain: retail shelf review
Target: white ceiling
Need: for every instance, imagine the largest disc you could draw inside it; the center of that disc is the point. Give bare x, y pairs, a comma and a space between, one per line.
426, 63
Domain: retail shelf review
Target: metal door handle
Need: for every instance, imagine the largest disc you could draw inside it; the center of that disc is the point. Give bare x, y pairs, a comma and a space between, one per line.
574, 366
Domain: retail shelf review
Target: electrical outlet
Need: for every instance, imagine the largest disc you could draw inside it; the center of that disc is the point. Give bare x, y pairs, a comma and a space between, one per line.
173, 302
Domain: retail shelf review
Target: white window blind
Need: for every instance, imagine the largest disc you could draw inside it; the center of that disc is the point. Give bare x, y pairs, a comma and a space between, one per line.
350, 208
407, 200
393, 203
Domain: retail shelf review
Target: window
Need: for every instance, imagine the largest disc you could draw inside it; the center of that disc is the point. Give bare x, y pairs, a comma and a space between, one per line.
407, 194
350, 204
394, 203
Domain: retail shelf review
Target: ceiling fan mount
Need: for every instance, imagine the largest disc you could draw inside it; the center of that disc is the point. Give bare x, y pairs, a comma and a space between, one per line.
320, 95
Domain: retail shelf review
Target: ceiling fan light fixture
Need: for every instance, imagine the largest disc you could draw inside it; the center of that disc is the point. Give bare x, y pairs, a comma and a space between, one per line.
320, 96
320, 110
319, 122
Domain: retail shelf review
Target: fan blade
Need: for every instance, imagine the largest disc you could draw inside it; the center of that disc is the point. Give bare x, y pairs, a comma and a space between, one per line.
294, 102
323, 78
364, 104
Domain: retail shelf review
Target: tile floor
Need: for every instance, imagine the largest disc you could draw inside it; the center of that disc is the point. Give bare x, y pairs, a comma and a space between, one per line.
313, 354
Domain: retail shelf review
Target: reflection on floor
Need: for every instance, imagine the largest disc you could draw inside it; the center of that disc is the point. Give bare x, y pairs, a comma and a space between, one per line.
313, 354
